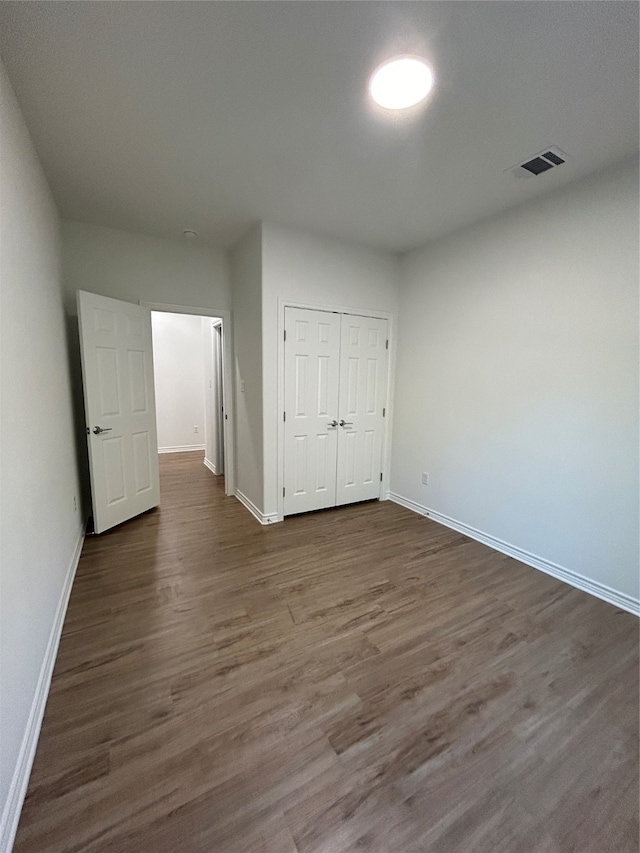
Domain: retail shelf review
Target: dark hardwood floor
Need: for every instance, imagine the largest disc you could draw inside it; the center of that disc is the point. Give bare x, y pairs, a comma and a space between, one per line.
360, 679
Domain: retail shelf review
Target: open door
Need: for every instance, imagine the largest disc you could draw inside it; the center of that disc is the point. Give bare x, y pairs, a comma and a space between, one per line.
119, 400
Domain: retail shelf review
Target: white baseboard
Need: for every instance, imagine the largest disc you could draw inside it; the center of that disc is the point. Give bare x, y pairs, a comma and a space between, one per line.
182, 448
20, 780
600, 590
209, 464
253, 509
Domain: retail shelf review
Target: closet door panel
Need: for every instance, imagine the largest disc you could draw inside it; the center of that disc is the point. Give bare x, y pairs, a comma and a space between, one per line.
363, 387
312, 352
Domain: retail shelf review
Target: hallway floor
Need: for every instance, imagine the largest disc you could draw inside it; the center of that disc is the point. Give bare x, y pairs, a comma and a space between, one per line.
360, 679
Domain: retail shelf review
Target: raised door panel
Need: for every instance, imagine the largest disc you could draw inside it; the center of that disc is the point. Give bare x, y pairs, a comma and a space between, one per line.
312, 349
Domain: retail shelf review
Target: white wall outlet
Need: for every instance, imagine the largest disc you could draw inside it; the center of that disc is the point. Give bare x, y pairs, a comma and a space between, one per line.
196, 428
425, 478
242, 385
75, 502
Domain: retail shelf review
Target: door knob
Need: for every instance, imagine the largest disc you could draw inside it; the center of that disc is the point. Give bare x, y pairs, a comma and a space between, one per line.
334, 423
344, 423
97, 430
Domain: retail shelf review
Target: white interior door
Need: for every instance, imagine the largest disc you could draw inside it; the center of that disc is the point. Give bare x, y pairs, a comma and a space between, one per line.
363, 390
117, 369
312, 349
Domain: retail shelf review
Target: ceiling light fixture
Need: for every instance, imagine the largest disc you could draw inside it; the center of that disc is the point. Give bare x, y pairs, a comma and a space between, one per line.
401, 83
189, 234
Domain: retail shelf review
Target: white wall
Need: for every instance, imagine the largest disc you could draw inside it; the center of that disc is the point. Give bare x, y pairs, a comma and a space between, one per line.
517, 379
306, 268
136, 267
246, 273
40, 529
179, 376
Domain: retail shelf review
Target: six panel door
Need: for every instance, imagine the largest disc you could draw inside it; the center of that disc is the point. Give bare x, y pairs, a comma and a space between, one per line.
363, 389
117, 369
312, 348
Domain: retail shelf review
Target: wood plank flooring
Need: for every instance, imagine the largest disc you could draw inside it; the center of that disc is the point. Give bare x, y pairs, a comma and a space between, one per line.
360, 679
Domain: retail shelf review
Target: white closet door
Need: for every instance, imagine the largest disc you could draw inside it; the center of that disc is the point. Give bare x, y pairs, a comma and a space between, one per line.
363, 386
312, 350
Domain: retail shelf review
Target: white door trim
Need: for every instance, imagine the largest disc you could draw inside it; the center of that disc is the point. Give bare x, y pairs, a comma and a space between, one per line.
386, 441
217, 338
228, 390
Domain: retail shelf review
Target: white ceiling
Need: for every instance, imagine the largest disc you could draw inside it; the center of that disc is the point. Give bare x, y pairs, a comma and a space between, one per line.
155, 117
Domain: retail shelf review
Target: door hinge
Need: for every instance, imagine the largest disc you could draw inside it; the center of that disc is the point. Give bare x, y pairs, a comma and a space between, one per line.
387, 345
380, 476
284, 416
285, 334
384, 413
283, 491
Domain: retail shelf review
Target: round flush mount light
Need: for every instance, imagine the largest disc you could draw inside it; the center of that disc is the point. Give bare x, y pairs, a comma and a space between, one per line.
401, 83
189, 234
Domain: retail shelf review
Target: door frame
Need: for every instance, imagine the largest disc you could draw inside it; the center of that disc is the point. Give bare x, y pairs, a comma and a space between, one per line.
386, 436
217, 338
227, 380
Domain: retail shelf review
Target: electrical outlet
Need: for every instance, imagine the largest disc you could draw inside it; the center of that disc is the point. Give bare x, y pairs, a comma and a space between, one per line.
75, 502
425, 478
242, 386
196, 428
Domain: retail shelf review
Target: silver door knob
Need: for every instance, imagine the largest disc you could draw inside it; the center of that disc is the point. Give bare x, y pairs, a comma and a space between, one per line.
334, 423
344, 423
97, 430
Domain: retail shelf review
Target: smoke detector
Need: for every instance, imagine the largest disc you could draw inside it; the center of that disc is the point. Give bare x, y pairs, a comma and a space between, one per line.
544, 161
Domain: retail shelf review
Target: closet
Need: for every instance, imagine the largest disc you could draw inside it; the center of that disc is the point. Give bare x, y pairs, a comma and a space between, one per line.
335, 387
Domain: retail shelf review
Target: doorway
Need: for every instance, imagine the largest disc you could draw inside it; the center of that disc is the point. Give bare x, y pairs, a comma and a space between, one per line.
209, 393
179, 357
120, 413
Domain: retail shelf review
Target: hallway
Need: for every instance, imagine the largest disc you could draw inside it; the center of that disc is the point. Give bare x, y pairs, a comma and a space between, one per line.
356, 679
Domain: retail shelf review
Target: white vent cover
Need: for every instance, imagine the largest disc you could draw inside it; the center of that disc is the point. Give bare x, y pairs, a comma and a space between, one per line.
547, 159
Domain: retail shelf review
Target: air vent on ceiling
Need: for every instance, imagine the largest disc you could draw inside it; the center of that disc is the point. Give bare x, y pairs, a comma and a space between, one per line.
537, 166
542, 162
